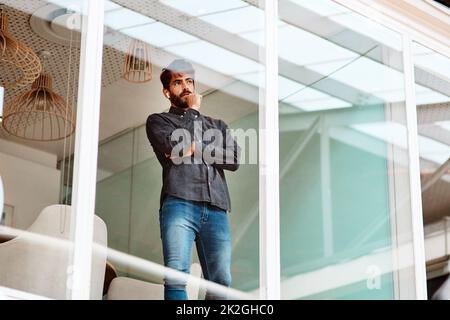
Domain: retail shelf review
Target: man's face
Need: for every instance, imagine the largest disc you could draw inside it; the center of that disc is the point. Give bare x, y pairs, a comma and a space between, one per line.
181, 85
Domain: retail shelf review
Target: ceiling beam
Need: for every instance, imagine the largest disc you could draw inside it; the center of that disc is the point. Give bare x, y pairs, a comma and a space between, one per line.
436, 176
233, 43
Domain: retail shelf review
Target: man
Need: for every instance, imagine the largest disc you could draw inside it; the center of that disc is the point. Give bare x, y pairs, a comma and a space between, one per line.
194, 196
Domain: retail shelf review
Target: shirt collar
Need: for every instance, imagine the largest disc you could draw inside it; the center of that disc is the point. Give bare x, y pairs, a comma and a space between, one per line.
180, 111
176, 110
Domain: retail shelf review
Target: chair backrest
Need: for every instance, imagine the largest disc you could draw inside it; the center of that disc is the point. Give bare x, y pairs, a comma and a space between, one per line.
42, 268
124, 288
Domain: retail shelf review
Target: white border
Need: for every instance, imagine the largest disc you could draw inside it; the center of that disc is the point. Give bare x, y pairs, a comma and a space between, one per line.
86, 148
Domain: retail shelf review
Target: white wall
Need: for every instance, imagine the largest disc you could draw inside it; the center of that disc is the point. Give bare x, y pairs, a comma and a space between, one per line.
30, 180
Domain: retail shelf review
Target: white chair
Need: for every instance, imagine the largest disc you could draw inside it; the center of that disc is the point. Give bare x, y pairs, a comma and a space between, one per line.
43, 269
124, 288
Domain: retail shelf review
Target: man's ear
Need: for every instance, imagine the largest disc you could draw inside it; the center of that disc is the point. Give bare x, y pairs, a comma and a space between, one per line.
166, 93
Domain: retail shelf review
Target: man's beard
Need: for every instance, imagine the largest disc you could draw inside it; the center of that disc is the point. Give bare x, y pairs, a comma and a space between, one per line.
178, 101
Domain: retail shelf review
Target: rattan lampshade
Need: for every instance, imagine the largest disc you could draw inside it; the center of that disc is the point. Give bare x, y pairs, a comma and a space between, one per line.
137, 66
21, 66
40, 114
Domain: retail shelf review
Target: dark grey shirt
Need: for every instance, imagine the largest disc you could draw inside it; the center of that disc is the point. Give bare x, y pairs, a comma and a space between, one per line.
203, 178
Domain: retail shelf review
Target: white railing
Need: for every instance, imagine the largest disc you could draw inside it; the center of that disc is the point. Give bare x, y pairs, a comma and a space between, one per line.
144, 267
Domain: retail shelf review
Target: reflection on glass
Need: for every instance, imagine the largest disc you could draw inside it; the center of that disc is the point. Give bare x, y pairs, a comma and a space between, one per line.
201, 7
344, 182
432, 76
129, 174
238, 20
216, 58
36, 236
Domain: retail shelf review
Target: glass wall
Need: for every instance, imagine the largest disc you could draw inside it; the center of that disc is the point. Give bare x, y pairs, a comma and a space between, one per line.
345, 197
40, 59
346, 222
210, 35
432, 90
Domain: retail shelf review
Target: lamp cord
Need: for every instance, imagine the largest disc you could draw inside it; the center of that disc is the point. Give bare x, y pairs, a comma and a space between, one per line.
66, 169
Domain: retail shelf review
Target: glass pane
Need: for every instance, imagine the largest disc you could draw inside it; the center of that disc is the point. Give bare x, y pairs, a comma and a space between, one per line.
37, 149
130, 178
346, 229
432, 77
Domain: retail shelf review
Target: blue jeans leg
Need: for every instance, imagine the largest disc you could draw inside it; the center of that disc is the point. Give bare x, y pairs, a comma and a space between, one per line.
177, 224
214, 248
182, 222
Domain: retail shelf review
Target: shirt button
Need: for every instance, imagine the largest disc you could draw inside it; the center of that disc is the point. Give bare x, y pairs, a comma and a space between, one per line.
181, 116
195, 116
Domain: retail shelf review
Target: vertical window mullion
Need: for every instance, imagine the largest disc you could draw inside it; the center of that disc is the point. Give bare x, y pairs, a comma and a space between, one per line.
414, 171
86, 147
269, 162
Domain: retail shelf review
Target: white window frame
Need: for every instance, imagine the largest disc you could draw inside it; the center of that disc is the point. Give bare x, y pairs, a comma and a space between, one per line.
414, 172
86, 148
269, 192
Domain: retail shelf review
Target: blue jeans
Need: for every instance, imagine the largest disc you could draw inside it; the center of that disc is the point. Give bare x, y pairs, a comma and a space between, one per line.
181, 223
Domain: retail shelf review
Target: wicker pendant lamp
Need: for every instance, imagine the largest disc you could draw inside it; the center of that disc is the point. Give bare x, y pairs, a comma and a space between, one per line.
137, 66
22, 64
39, 114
